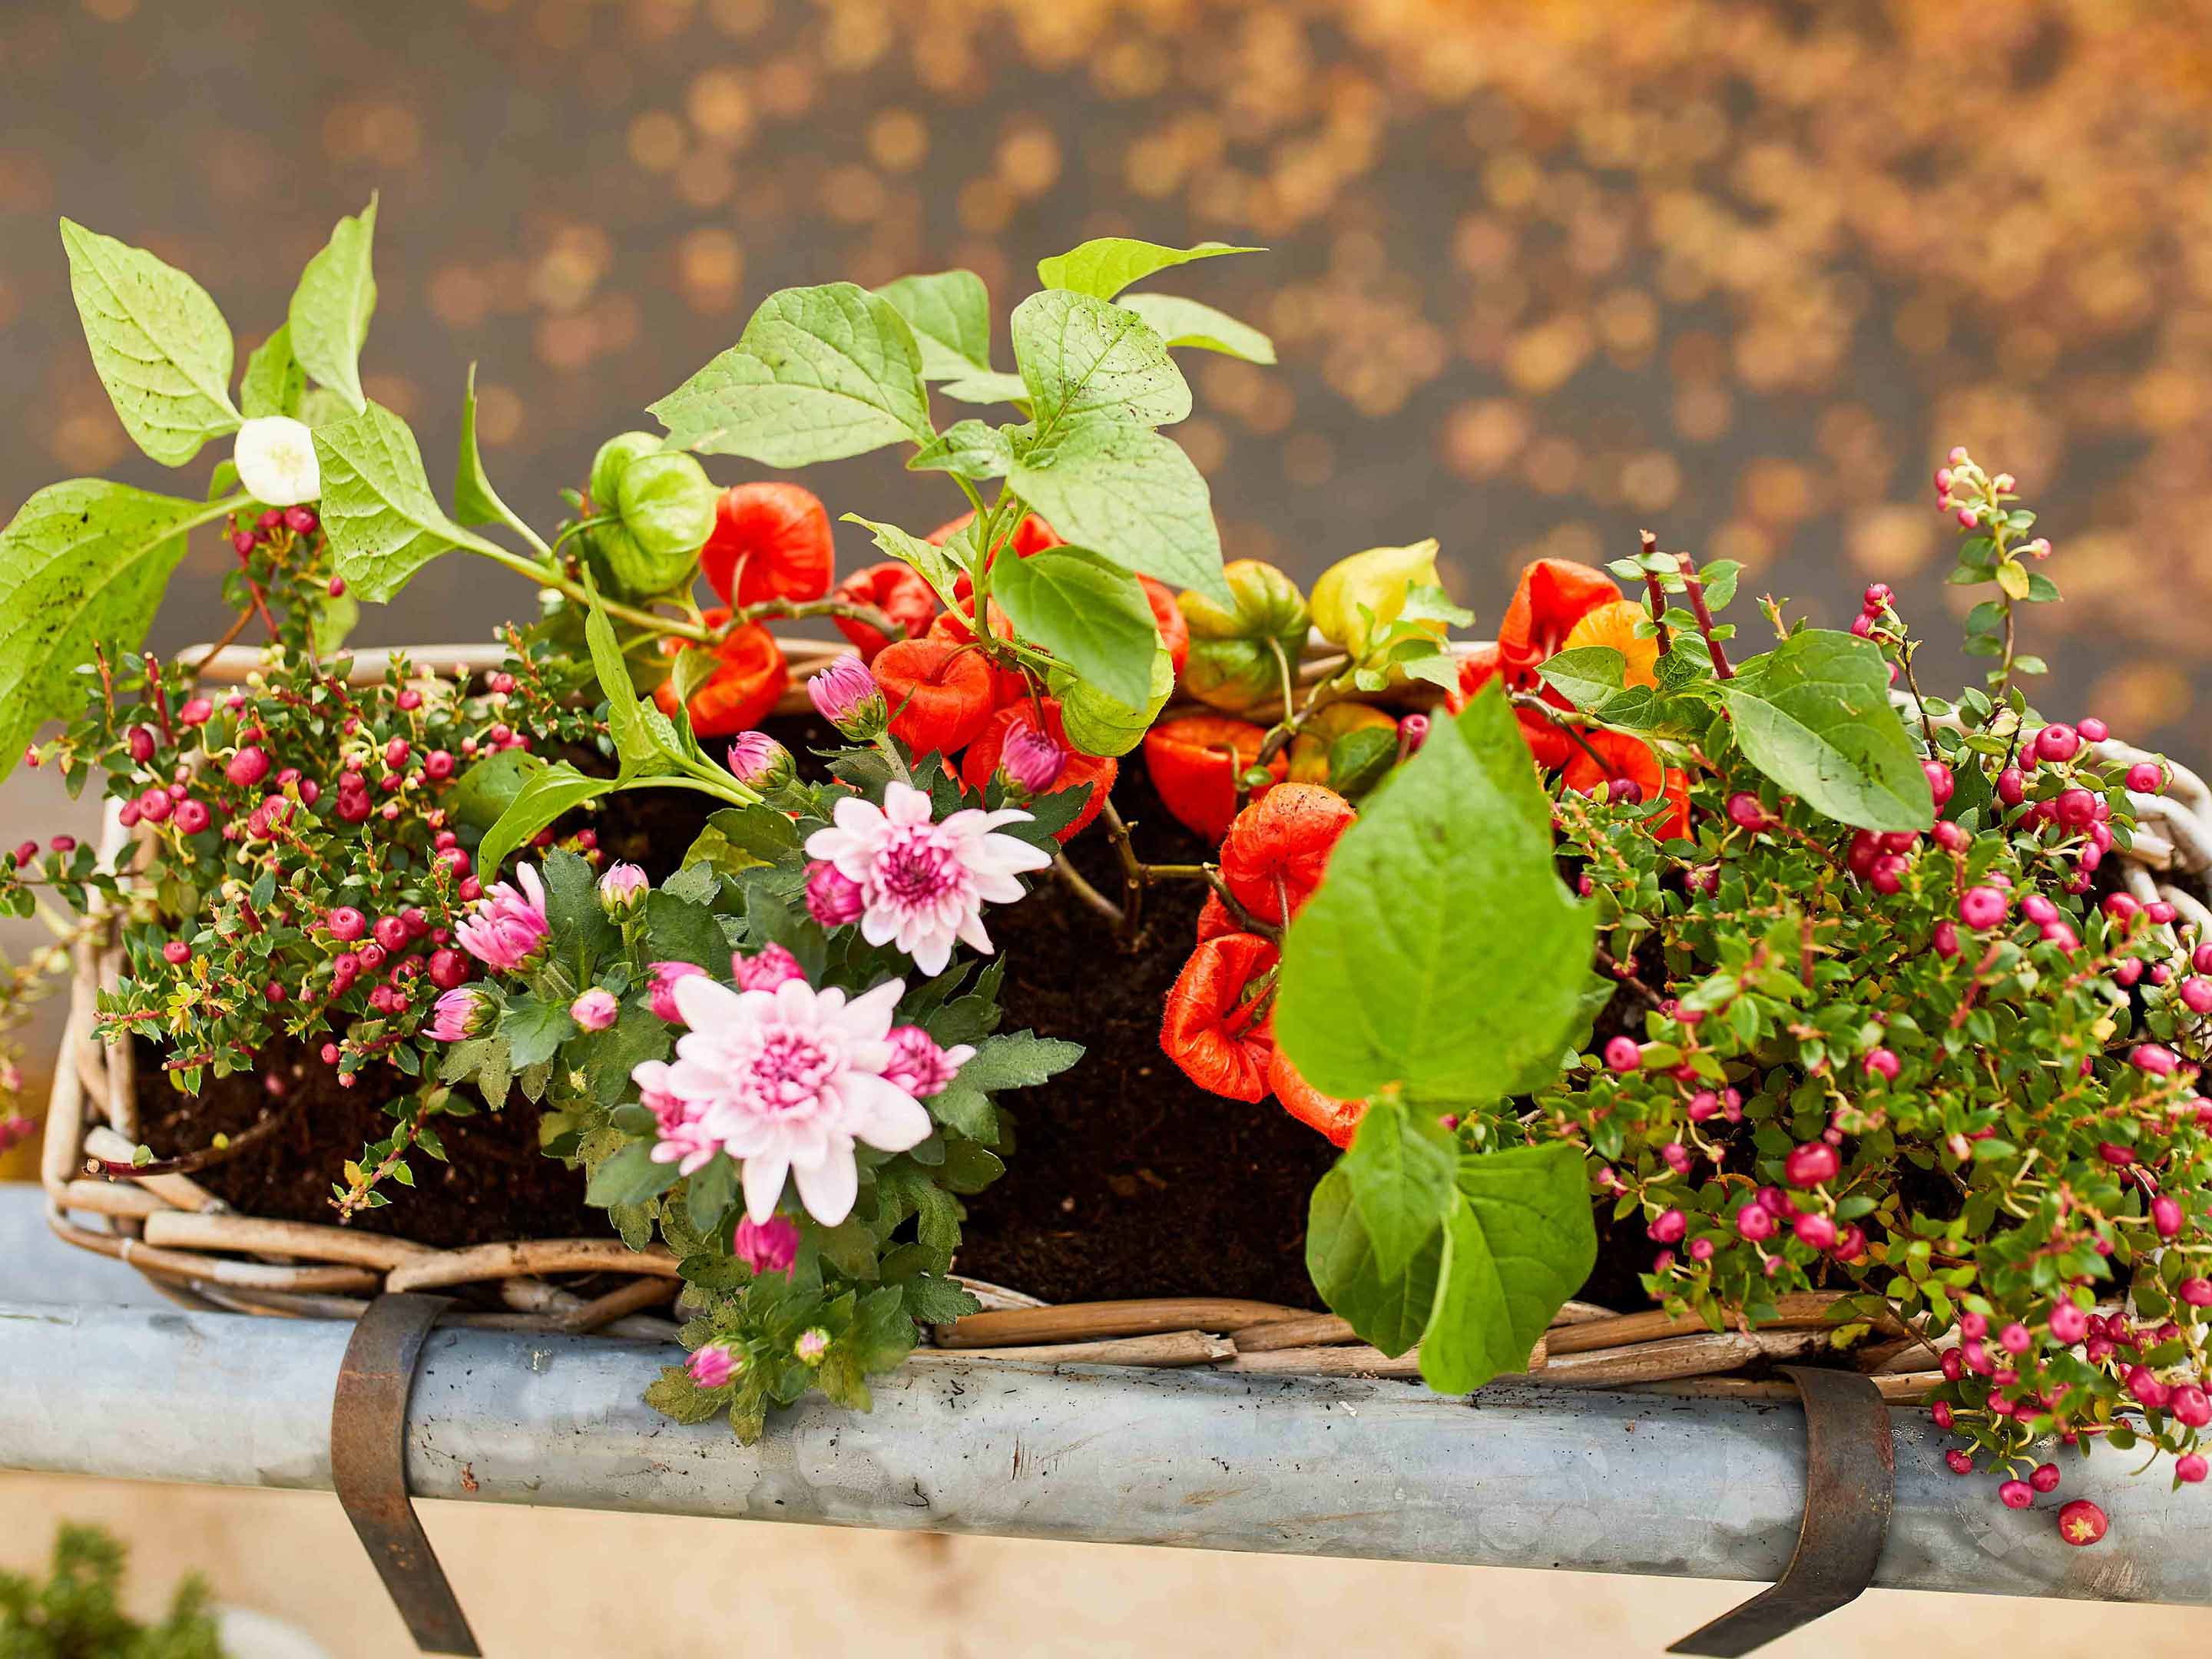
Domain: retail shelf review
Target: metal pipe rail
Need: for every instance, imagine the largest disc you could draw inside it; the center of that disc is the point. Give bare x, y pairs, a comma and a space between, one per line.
1593, 1482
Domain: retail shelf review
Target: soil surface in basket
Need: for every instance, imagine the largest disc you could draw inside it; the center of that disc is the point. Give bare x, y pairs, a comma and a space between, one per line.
496, 1185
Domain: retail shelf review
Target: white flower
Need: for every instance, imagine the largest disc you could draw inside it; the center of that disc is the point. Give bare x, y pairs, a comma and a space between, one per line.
276, 458
925, 884
785, 1081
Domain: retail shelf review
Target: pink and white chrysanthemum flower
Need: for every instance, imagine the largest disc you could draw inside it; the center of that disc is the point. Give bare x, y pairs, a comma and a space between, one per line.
788, 1081
923, 885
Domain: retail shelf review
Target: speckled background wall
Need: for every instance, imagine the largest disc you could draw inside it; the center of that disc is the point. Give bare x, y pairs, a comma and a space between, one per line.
1540, 275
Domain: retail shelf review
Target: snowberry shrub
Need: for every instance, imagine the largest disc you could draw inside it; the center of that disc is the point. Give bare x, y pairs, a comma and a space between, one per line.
1855, 1000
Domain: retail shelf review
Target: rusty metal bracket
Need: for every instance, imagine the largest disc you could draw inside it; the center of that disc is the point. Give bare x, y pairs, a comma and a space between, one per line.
1850, 1485
368, 1467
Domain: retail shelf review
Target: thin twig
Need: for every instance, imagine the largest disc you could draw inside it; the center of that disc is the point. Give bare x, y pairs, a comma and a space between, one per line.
187, 1162
1703, 613
215, 650
1648, 544
1083, 890
1133, 875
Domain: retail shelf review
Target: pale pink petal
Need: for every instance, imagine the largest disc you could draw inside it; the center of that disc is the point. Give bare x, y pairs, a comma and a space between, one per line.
829, 1188
764, 1183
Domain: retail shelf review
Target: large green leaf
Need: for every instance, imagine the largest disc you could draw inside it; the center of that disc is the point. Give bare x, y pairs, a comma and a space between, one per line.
950, 312
159, 344
819, 373
1814, 715
1388, 1309
1087, 611
969, 448
1441, 951
1518, 1242
383, 522
637, 749
1105, 265
934, 564
994, 387
1183, 322
331, 306
1130, 493
1400, 1165
273, 382
1082, 356
475, 501
549, 792
81, 563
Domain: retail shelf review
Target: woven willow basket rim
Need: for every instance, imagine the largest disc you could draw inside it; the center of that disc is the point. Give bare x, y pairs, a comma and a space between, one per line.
197, 1250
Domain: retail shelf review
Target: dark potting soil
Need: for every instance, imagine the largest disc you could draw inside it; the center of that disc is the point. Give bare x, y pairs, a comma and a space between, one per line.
496, 1185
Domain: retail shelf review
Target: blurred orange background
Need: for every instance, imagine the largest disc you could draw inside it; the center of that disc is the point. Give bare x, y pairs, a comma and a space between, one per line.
1541, 274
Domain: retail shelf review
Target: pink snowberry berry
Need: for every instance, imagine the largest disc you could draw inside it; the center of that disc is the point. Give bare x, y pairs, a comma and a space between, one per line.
2057, 743
1745, 811
1940, 1412
2081, 1523
2196, 994
2196, 1292
1670, 1226
1878, 597
2146, 778
1883, 1064
2043, 1477
2166, 1216
247, 767
1753, 1223
2154, 1058
2190, 1405
448, 969
2190, 1468
2015, 1495
1623, 1054
1809, 1165
176, 953
1961, 1463
391, 933
1982, 907
192, 816
346, 923
1815, 1232
2012, 786
1945, 939
1941, 784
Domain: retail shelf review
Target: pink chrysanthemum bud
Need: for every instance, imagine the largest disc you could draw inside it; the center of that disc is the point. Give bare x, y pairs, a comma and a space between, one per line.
461, 1013
1029, 763
623, 887
846, 696
810, 1344
767, 1247
596, 1009
766, 969
714, 1365
661, 990
759, 762
832, 898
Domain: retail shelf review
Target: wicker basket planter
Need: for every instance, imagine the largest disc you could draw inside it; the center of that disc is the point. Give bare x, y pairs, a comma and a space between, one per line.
203, 1253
